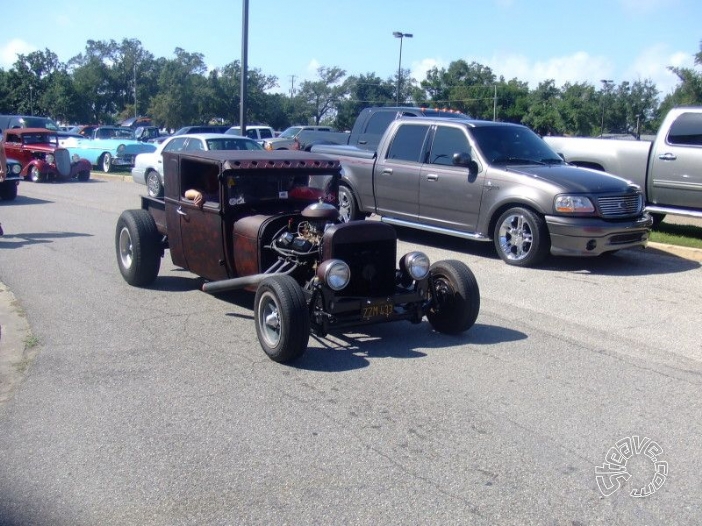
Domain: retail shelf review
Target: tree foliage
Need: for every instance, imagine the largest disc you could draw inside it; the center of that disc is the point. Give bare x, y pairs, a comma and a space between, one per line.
111, 81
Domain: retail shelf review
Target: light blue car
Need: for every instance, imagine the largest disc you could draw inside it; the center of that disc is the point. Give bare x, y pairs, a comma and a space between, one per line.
108, 147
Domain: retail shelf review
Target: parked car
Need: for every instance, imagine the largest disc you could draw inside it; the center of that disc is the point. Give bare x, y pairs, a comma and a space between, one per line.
272, 226
108, 147
202, 128
148, 167
8, 122
9, 176
255, 131
41, 157
288, 139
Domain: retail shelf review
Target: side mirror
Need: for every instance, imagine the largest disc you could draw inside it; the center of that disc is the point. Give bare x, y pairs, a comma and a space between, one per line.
462, 159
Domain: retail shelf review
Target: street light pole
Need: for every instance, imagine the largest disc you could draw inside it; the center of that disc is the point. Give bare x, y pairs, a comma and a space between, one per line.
605, 89
400, 35
31, 100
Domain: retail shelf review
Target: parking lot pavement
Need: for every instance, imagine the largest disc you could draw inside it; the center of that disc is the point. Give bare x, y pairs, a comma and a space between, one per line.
16, 345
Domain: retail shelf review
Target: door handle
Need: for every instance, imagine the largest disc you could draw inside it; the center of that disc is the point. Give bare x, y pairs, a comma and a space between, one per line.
181, 212
386, 171
432, 177
667, 157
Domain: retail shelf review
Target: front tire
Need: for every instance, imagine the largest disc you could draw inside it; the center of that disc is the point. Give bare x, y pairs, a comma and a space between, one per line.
8, 191
282, 318
455, 297
521, 237
137, 247
106, 162
153, 184
84, 175
35, 175
348, 207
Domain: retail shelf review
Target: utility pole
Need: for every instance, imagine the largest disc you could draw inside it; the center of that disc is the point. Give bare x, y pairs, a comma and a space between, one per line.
292, 86
244, 65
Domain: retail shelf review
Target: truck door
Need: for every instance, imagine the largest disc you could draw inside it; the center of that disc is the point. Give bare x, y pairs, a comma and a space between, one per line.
396, 175
201, 229
675, 170
449, 196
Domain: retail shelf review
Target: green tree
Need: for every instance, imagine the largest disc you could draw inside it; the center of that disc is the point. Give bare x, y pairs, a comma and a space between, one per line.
544, 115
322, 96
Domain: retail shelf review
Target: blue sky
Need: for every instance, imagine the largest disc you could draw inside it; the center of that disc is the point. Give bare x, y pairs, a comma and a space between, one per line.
531, 40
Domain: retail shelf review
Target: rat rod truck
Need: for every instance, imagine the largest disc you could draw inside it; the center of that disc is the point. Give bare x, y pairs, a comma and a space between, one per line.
273, 227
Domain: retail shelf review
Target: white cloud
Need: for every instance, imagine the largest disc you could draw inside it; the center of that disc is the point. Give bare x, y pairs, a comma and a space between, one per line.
9, 52
653, 62
313, 66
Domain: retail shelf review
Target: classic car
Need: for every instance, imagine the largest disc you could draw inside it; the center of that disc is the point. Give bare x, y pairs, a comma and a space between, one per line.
9, 176
273, 227
108, 147
41, 156
148, 167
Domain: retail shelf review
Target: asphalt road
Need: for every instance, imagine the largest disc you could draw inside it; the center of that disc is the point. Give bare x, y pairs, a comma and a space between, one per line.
157, 406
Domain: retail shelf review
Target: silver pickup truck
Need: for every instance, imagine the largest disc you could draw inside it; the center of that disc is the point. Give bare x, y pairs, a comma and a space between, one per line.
669, 168
490, 181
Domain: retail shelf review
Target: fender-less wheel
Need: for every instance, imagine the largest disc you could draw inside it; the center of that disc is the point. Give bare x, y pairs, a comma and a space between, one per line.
348, 208
282, 318
657, 220
153, 184
137, 246
455, 297
521, 237
106, 162
35, 175
84, 175
8, 191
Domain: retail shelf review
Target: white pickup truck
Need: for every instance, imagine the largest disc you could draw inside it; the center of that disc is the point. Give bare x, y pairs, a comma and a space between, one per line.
669, 169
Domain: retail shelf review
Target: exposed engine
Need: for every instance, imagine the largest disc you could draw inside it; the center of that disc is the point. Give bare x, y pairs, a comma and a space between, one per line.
305, 240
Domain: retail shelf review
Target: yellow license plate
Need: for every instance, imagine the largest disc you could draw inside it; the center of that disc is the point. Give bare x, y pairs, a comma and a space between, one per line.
377, 309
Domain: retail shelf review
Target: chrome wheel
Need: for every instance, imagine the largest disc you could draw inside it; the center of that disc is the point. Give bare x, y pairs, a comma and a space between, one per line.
153, 184
35, 174
269, 319
126, 249
521, 237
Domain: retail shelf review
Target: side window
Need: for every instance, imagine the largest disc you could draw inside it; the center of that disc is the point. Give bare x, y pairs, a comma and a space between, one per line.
193, 145
686, 130
408, 143
175, 145
266, 133
379, 122
447, 141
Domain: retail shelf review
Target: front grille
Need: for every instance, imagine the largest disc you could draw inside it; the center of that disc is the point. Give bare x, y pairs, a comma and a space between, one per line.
63, 161
620, 206
372, 265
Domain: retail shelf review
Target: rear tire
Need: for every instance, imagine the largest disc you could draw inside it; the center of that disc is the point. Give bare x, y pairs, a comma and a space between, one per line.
455, 297
137, 247
282, 318
153, 184
348, 207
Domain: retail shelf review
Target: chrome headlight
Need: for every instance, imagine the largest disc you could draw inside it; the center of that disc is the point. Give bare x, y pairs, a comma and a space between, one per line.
335, 273
120, 149
16, 168
49, 158
416, 264
75, 158
566, 204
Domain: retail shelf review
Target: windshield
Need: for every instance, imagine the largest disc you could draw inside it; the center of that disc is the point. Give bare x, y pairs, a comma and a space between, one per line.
250, 188
513, 145
233, 144
290, 133
40, 122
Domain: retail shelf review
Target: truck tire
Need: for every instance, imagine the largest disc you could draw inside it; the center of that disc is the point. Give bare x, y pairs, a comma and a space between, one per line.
282, 318
521, 237
84, 175
153, 184
348, 206
8, 190
137, 246
657, 220
455, 297
106, 162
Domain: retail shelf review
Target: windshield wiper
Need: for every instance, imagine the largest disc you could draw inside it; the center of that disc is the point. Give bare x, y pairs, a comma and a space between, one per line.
517, 160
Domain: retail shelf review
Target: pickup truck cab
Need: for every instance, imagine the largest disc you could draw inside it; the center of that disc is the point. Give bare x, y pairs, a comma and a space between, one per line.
490, 181
270, 224
669, 168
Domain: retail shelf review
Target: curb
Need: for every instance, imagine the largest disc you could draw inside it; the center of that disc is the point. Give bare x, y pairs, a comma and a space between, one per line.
692, 254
